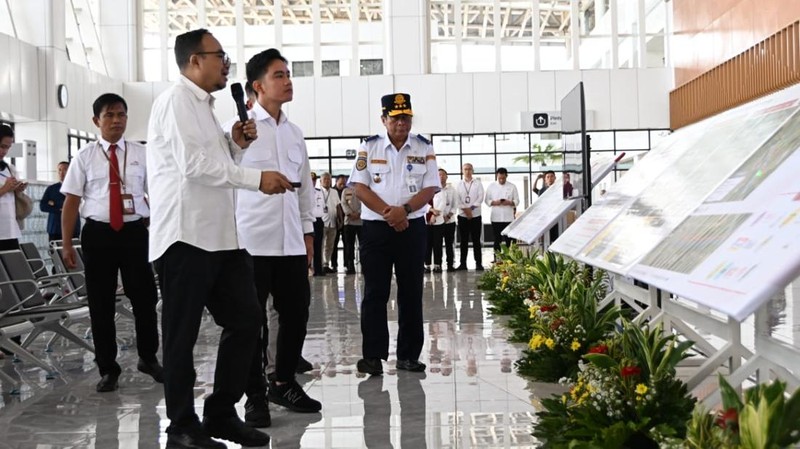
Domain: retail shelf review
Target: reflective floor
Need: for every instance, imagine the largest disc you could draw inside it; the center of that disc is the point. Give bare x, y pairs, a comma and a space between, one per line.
468, 398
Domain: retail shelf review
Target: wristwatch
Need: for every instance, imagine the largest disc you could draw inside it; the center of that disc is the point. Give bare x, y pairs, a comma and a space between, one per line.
407, 208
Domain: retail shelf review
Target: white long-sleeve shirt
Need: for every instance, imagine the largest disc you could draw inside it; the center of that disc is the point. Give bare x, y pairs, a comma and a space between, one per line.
192, 173
470, 195
503, 213
273, 225
445, 203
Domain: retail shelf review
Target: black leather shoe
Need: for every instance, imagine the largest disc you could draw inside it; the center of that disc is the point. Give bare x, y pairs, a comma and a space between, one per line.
411, 365
292, 396
234, 429
370, 366
107, 383
256, 412
194, 439
479, 268
153, 369
461, 268
303, 366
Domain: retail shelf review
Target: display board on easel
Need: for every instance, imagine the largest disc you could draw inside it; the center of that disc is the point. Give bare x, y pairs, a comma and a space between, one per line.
716, 219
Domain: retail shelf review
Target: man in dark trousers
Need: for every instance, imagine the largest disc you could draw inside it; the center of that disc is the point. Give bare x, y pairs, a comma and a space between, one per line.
107, 179
52, 203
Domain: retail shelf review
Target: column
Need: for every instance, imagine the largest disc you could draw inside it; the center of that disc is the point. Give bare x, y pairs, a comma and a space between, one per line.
405, 40
117, 28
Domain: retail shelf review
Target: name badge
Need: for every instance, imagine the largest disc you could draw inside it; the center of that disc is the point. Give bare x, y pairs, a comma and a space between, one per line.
128, 207
411, 182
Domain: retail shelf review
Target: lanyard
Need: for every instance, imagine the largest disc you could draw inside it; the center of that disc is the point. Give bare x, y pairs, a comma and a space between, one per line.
326, 196
467, 190
116, 169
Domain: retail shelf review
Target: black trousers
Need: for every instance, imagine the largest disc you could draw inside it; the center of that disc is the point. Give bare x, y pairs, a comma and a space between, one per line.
335, 253
444, 233
497, 229
107, 252
319, 233
286, 279
383, 248
351, 233
428, 244
222, 281
469, 229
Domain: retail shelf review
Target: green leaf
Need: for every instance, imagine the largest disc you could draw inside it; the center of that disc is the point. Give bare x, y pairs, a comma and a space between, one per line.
730, 398
601, 360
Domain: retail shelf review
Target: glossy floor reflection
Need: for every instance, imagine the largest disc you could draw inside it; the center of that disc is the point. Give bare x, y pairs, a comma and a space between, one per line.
468, 398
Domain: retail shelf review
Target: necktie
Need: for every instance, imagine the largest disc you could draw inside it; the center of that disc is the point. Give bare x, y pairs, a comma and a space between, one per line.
114, 193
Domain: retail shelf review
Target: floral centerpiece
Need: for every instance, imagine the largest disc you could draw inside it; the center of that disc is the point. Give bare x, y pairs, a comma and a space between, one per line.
625, 396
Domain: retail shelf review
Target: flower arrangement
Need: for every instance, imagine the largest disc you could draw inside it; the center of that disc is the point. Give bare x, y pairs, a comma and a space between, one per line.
625, 396
765, 419
552, 305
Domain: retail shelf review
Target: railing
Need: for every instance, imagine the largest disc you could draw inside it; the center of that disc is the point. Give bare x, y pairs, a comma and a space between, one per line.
768, 66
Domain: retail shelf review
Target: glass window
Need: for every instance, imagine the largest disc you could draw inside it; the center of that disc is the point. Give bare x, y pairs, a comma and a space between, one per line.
633, 140
317, 147
330, 68
602, 140
657, 136
341, 166
371, 67
514, 163
302, 68
479, 143
339, 147
450, 163
447, 144
628, 33
483, 164
595, 31
512, 143
319, 166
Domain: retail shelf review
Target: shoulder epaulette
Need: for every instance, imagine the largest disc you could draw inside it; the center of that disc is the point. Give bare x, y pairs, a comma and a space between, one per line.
371, 138
422, 138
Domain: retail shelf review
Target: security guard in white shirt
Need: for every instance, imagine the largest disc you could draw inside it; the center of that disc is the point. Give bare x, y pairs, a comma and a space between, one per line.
502, 197
470, 196
395, 175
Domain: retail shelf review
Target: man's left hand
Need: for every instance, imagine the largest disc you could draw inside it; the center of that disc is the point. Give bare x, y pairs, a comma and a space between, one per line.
242, 129
309, 241
396, 218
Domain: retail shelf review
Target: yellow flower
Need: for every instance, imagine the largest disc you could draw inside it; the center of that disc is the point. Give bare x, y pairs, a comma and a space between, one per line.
533, 310
564, 398
641, 389
536, 342
550, 343
504, 283
575, 345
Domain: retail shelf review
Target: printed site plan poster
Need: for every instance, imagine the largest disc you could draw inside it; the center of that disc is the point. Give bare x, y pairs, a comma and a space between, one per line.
551, 206
743, 243
722, 145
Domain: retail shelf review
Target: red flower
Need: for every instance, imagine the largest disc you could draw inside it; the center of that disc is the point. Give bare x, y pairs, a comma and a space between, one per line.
729, 420
556, 324
628, 371
599, 349
549, 308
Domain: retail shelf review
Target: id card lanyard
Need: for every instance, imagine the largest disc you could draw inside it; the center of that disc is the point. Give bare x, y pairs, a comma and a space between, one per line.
116, 169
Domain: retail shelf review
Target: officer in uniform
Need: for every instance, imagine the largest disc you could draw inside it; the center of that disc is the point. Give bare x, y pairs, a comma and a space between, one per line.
395, 176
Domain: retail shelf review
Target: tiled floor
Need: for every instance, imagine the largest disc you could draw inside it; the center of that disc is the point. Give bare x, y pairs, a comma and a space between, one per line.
468, 398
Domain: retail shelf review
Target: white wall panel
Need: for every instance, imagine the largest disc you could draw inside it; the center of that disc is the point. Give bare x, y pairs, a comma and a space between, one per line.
139, 97
653, 96
624, 99
328, 106
15, 76
486, 102
542, 91
407, 56
428, 100
5, 73
596, 88
378, 87
513, 100
406, 8
301, 109
566, 80
460, 118
355, 106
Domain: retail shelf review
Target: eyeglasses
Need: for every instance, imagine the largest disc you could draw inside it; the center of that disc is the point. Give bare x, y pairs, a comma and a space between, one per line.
226, 60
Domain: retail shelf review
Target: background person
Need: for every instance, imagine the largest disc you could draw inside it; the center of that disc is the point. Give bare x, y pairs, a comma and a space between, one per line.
52, 203
503, 198
470, 196
9, 225
444, 223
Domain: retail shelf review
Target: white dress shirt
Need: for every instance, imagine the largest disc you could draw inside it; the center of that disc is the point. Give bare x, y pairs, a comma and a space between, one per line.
414, 164
445, 202
192, 173
87, 178
470, 195
273, 225
503, 213
9, 228
319, 203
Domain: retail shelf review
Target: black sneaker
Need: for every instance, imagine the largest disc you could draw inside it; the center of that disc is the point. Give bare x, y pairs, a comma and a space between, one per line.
303, 366
370, 366
192, 438
256, 412
411, 365
233, 429
292, 396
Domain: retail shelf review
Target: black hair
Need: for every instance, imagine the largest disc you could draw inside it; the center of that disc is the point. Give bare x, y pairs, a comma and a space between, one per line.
187, 44
106, 100
63, 163
258, 65
549, 172
501, 171
445, 171
248, 89
6, 131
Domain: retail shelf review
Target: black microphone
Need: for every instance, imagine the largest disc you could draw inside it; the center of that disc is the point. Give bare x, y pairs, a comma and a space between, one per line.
241, 109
